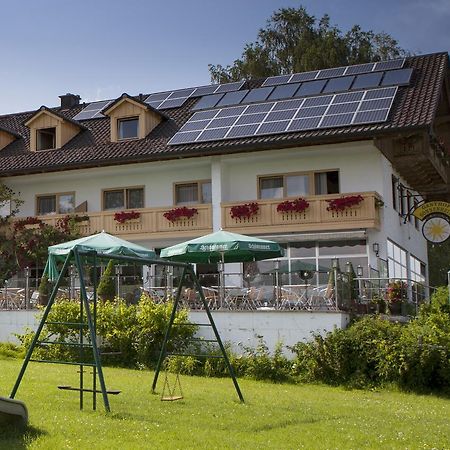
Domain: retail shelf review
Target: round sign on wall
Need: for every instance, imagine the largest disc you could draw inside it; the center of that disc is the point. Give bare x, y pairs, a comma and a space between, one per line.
436, 229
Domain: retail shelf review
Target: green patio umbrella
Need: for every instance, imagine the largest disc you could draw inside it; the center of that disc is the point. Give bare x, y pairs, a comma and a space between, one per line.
101, 242
223, 246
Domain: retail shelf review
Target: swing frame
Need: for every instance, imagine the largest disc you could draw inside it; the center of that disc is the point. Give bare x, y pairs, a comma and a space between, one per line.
76, 255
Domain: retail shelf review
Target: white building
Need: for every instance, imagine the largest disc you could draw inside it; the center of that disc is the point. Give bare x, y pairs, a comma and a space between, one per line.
375, 130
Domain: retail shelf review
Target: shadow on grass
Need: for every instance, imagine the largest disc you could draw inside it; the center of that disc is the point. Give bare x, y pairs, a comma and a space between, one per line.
18, 438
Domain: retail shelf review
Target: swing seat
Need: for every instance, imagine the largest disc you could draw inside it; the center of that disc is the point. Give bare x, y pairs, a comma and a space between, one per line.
13, 412
172, 398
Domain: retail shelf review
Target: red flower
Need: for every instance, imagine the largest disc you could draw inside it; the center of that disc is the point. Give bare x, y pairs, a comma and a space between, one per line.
342, 203
244, 211
20, 224
123, 216
178, 213
299, 205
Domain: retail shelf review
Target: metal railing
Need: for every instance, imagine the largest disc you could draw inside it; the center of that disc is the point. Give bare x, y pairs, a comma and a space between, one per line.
321, 291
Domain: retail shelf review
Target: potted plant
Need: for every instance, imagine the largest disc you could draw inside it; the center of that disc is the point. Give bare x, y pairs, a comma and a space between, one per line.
396, 294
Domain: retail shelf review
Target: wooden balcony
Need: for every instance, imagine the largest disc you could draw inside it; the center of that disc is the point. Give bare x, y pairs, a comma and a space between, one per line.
315, 218
151, 224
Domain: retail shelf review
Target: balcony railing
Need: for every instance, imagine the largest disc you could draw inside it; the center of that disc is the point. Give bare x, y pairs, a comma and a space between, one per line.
151, 222
316, 217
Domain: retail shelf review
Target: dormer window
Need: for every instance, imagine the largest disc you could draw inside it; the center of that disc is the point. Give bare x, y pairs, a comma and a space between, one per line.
50, 130
46, 138
128, 128
131, 118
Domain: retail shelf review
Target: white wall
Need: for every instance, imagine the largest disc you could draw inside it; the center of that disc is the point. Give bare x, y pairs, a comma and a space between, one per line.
158, 179
242, 328
15, 322
239, 328
358, 163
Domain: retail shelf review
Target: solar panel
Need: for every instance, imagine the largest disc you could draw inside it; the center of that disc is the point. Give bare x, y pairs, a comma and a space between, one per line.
232, 98
389, 65
92, 111
311, 88
208, 101
367, 80
275, 81
169, 99
336, 120
334, 72
258, 95
338, 84
397, 77
205, 90
359, 68
284, 91
303, 76
325, 111
228, 87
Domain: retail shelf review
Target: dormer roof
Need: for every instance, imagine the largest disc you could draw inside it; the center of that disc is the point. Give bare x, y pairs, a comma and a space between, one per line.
133, 100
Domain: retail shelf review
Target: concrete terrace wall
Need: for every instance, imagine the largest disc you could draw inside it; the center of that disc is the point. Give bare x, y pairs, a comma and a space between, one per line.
15, 322
240, 328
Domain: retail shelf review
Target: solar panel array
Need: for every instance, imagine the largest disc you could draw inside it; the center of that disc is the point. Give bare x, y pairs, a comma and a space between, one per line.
335, 72
92, 111
175, 99
300, 114
164, 100
395, 77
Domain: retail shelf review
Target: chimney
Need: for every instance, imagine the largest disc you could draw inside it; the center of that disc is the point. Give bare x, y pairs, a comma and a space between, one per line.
69, 100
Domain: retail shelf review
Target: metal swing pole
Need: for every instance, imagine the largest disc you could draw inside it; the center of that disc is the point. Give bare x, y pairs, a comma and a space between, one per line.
40, 327
216, 333
169, 326
92, 332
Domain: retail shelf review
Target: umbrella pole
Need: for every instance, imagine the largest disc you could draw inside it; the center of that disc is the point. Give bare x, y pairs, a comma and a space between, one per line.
221, 281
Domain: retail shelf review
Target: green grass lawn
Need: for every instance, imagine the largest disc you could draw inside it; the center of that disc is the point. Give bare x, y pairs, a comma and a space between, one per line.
278, 416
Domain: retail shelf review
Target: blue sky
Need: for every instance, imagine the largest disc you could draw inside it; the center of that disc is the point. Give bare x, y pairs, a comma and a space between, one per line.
102, 48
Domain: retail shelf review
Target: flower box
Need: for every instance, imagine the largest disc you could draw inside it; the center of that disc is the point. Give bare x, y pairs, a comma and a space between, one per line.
127, 216
244, 211
344, 202
180, 213
298, 205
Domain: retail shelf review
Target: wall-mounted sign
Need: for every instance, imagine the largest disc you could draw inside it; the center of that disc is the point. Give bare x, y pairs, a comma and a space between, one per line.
436, 220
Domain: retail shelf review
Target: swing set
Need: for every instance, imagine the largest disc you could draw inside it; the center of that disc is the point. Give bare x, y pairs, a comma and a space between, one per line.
88, 347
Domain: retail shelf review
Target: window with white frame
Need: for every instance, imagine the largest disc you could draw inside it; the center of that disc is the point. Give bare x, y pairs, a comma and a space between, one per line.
397, 261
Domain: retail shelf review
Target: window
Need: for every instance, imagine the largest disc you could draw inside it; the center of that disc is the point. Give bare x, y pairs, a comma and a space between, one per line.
45, 138
395, 192
326, 182
55, 204
396, 261
190, 193
128, 128
123, 198
299, 185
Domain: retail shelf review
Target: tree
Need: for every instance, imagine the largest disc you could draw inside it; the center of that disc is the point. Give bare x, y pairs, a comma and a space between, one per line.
294, 41
106, 289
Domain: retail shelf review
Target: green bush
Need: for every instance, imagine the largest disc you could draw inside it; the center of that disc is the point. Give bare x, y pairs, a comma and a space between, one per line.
106, 288
134, 333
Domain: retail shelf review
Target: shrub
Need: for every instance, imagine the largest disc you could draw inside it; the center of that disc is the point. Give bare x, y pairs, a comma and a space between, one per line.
106, 289
136, 332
